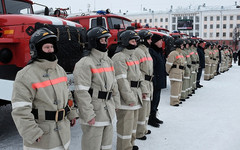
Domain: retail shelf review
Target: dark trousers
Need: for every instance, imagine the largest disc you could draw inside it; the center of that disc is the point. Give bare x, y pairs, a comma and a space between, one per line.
218, 67
155, 101
199, 74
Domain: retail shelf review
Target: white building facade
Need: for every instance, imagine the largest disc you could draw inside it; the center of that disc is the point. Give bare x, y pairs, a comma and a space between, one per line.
209, 23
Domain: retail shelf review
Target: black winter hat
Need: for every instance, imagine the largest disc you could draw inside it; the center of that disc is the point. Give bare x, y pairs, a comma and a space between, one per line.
156, 38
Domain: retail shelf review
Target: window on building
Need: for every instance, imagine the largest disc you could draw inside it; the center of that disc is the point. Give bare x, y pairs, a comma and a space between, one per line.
230, 43
145, 20
205, 18
166, 19
173, 19
173, 27
196, 19
205, 34
231, 25
161, 19
224, 17
179, 18
211, 34
196, 33
211, 18
184, 17
156, 20
205, 26
224, 34
238, 17
224, 26
197, 26
150, 20
217, 34
230, 34
190, 34
191, 17
217, 26
140, 20
211, 26
166, 26
218, 18
238, 25
224, 42
231, 17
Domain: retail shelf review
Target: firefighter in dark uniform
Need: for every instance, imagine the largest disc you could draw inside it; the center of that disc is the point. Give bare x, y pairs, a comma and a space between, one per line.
200, 50
159, 79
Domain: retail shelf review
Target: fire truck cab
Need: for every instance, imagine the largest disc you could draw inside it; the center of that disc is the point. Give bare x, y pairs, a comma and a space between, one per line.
114, 23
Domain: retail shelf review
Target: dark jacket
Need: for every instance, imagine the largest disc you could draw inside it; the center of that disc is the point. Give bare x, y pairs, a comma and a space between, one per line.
160, 79
201, 55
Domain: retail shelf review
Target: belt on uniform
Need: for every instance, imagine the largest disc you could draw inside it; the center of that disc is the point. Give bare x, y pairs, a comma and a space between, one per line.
214, 59
101, 94
189, 66
148, 78
53, 115
135, 84
180, 67
194, 62
197, 62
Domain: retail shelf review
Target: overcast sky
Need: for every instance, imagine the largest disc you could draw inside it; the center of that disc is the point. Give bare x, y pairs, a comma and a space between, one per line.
130, 5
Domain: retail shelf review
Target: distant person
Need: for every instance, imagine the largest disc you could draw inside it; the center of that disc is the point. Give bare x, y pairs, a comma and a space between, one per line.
200, 50
41, 102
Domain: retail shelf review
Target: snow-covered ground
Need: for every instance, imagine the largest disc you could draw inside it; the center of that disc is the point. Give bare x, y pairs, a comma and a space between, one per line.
209, 120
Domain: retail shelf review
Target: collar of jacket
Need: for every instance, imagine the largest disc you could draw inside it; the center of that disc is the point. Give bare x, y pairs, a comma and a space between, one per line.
45, 64
179, 50
129, 52
98, 54
143, 47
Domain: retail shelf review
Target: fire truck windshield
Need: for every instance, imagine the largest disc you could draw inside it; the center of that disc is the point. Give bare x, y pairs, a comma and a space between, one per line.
114, 21
18, 7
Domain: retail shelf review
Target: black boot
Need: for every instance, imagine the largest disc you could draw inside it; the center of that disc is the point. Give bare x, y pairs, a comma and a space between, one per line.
148, 132
135, 147
142, 138
152, 121
158, 120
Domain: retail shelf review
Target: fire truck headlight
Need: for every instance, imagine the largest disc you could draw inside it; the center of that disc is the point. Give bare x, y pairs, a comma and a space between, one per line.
5, 55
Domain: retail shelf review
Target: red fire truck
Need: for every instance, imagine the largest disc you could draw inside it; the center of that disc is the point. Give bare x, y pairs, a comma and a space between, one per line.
17, 23
114, 23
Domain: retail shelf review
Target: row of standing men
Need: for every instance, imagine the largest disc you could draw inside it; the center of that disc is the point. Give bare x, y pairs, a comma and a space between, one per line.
186, 63
128, 86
